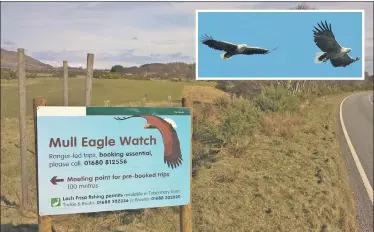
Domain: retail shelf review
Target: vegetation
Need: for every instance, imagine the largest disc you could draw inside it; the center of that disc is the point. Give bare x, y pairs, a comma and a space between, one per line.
169, 71
273, 157
117, 68
119, 92
303, 88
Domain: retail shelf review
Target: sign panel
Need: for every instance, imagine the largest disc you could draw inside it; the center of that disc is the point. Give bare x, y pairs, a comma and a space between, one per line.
93, 159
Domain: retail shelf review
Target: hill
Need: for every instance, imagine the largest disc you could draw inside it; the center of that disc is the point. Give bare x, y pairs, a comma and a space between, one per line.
9, 60
160, 70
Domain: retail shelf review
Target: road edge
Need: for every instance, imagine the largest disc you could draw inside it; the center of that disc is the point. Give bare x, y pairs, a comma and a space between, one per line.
365, 180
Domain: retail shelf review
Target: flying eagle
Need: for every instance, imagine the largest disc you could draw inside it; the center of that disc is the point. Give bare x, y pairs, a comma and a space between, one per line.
232, 49
331, 49
172, 151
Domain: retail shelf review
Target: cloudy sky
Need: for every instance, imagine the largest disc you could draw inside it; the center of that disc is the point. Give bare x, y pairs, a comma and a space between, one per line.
126, 33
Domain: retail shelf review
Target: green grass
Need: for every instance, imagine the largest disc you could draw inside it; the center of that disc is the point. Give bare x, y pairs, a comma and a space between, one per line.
274, 171
117, 91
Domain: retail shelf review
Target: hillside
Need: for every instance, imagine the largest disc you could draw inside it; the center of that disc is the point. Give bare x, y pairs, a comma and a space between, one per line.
9, 60
160, 70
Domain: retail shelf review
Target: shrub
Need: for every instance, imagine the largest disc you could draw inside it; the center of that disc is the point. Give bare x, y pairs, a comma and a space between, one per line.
277, 99
221, 102
222, 124
8, 74
238, 119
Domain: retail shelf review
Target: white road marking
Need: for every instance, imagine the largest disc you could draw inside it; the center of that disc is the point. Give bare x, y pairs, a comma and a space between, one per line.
365, 180
371, 100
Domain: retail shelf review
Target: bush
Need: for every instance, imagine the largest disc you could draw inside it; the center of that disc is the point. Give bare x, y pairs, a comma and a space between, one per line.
222, 124
277, 99
237, 120
221, 103
8, 74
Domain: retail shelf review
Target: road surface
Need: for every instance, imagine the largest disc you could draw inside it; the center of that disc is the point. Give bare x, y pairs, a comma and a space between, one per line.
356, 127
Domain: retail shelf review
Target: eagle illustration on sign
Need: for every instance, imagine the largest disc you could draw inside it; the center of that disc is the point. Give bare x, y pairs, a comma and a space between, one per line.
172, 151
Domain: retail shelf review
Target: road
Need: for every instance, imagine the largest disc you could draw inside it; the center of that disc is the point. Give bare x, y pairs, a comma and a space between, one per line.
356, 127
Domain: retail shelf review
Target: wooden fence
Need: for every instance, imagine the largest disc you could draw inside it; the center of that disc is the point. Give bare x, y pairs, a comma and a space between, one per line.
45, 222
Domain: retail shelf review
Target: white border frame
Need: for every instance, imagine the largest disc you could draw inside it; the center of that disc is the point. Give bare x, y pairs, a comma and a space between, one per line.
278, 78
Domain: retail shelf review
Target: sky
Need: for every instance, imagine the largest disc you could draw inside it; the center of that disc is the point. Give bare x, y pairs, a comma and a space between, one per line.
290, 32
118, 34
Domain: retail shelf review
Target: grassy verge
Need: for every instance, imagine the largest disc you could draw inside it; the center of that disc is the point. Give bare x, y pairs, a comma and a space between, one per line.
272, 164
288, 176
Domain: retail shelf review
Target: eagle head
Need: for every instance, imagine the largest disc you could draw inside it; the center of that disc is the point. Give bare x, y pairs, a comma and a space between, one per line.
149, 126
347, 50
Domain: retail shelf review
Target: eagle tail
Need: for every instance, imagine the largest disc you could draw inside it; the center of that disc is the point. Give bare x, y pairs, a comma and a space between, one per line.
318, 55
225, 56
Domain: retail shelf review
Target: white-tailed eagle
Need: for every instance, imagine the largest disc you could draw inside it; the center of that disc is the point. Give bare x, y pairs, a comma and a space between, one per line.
232, 49
331, 49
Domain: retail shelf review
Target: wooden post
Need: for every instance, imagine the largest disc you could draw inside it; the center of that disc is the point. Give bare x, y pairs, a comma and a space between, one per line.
45, 222
185, 211
66, 88
169, 100
22, 125
90, 61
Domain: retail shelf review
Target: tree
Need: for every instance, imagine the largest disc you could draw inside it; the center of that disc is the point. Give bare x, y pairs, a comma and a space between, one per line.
116, 68
303, 6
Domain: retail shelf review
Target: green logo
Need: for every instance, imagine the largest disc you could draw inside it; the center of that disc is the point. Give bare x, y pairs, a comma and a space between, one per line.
55, 202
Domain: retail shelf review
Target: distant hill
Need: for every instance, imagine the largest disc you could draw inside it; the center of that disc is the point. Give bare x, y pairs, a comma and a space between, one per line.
9, 60
163, 71
173, 70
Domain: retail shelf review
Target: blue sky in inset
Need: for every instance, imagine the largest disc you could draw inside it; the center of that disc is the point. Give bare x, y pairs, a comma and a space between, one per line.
291, 32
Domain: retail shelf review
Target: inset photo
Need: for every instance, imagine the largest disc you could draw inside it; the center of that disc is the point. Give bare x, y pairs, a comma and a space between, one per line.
280, 44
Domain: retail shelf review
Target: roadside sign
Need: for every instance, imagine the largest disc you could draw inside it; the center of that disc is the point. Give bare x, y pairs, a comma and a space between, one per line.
94, 159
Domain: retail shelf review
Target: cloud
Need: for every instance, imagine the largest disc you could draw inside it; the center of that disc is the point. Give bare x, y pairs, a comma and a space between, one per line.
130, 56
8, 42
152, 31
58, 55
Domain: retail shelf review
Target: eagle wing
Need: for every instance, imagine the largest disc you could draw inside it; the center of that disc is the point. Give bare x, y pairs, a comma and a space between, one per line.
325, 38
255, 51
175, 158
218, 45
343, 61
172, 150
